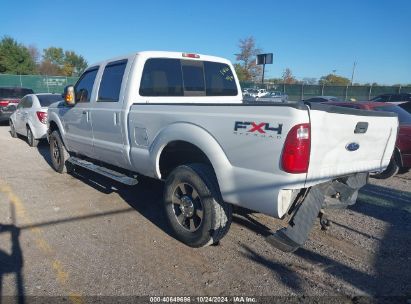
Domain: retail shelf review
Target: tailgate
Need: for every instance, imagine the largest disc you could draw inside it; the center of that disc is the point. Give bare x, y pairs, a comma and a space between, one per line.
345, 141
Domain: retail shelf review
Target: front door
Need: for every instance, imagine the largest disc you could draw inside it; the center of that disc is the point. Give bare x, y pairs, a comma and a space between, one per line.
77, 119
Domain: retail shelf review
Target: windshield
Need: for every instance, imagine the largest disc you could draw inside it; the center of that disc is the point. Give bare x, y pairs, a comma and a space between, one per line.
46, 100
403, 116
14, 92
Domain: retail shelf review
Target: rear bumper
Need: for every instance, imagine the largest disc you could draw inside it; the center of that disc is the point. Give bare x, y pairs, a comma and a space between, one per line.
39, 131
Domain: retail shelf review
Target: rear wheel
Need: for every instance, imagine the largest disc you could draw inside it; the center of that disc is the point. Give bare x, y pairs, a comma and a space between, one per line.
59, 154
194, 207
391, 170
13, 132
30, 138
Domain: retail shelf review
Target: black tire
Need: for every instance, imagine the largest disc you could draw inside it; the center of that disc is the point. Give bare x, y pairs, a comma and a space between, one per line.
59, 154
13, 132
183, 210
30, 138
391, 170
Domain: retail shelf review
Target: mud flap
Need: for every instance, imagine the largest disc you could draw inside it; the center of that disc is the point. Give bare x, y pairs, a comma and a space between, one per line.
290, 238
296, 233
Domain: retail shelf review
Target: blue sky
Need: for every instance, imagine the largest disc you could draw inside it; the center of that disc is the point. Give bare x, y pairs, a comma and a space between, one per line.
312, 38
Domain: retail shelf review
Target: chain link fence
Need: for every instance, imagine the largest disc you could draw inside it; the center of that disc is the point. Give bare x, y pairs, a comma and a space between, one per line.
38, 83
297, 92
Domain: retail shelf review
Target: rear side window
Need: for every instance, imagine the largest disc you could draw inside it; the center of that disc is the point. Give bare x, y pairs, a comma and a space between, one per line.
46, 100
175, 77
111, 81
28, 102
219, 79
84, 85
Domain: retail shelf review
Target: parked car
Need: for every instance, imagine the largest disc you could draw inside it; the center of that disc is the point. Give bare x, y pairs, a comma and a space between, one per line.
406, 106
273, 97
256, 93
9, 98
323, 99
179, 118
393, 98
402, 153
30, 117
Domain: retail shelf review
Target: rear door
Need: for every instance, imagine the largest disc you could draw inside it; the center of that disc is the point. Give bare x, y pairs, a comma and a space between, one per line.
107, 115
77, 120
345, 141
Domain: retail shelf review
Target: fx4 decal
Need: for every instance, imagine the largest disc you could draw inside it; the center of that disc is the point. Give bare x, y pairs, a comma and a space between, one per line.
257, 128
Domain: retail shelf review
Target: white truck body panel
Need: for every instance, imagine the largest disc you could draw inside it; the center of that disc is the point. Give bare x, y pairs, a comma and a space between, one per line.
332, 132
132, 133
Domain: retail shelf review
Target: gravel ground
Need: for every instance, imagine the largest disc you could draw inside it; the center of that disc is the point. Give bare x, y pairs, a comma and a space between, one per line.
80, 235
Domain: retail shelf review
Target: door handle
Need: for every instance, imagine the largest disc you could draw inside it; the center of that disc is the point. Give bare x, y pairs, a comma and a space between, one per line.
87, 115
116, 118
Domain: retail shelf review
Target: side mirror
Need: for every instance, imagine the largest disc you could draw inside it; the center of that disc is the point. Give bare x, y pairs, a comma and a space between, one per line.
69, 95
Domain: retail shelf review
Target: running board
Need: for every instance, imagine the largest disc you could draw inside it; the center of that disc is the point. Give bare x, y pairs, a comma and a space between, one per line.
296, 233
117, 176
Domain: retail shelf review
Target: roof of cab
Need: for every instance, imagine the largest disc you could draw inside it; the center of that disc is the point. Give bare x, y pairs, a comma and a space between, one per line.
162, 54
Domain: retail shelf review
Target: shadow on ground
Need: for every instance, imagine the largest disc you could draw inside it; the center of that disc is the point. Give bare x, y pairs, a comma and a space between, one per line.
391, 263
12, 263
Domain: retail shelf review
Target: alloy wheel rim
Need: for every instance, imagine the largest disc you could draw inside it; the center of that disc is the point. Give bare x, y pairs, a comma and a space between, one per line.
187, 207
56, 152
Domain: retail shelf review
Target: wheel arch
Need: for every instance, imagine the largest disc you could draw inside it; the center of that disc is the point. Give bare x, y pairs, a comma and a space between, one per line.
197, 145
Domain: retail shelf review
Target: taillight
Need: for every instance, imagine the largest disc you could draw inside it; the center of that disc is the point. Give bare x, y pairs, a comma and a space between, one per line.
42, 116
296, 151
4, 103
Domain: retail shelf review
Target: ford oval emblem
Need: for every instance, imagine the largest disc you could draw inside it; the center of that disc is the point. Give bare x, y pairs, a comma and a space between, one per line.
352, 147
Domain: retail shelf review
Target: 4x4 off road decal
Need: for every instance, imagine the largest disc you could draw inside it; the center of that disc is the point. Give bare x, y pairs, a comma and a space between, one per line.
263, 129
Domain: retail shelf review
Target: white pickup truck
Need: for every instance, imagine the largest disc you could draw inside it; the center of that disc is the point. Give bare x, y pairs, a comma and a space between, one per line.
179, 117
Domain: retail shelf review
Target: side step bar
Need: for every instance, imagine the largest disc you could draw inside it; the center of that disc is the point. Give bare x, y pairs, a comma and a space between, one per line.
117, 176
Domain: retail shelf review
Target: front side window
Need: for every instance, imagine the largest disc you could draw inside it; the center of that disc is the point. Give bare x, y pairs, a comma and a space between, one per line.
84, 85
111, 81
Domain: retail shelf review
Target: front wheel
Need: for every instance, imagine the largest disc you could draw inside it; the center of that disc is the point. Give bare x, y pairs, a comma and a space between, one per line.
58, 153
194, 207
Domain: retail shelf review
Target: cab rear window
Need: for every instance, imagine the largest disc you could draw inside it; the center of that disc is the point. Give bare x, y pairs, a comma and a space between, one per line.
175, 77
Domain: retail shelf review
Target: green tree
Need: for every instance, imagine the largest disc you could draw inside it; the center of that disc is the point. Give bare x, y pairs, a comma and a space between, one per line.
54, 55
332, 79
74, 64
60, 62
15, 58
247, 66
